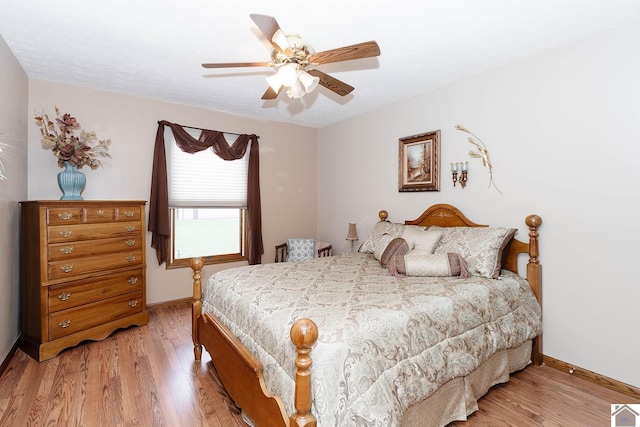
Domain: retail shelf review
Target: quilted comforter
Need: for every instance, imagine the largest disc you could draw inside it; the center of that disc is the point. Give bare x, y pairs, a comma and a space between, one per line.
384, 342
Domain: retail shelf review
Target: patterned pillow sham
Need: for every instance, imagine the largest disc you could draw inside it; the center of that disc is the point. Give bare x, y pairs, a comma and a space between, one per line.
300, 249
381, 245
381, 228
481, 247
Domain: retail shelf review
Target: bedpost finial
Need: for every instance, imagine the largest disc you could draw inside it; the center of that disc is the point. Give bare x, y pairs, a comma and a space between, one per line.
304, 333
197, 264
533, 221
383, 215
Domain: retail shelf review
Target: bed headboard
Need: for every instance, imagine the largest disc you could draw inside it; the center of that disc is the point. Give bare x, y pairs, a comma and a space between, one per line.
444, 215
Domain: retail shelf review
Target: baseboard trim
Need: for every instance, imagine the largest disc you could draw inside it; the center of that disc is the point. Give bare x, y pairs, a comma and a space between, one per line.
171, 303
7, 360
593, 377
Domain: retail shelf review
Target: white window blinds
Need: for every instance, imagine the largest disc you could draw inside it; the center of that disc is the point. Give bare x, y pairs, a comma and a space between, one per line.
203, 179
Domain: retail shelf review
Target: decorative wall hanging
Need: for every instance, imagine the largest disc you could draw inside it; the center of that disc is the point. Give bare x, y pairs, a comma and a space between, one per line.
419, 162
480, 152
2, 169
73, 151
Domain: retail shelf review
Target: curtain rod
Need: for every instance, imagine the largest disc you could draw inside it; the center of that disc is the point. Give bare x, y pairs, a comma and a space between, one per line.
230, 133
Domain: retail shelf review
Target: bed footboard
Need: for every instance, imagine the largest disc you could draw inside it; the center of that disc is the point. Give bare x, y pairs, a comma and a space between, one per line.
241, 372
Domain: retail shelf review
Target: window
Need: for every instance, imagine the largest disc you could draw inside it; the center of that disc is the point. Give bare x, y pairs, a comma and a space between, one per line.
207, 202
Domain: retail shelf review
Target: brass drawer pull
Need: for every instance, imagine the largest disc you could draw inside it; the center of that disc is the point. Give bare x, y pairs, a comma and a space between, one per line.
67, 268
133, 303
65, 233
65, 323
131, 242
130, 228
64, 296
129, 214
100, 212
131, 258
66, 250
65, 216
132, 280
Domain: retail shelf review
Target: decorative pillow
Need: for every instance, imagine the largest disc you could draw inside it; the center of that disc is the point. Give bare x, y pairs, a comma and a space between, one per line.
422, 240
481, 247
429, 265
381, 228
381, 245
301, 249
396, 248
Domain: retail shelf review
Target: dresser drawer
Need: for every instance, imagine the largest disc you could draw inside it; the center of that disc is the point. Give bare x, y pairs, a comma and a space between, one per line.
67, 322
82, 248
129, 213
61, 233
66, 215
94, 215
65, 296
73, 267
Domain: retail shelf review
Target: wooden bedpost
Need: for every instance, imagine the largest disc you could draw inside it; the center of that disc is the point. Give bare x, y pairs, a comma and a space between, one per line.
304, 334
196, 304
534, 277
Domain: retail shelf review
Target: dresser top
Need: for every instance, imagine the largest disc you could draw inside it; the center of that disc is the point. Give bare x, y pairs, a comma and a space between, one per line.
82, 202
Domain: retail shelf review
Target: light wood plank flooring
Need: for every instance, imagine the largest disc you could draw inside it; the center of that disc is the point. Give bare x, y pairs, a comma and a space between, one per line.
147, 376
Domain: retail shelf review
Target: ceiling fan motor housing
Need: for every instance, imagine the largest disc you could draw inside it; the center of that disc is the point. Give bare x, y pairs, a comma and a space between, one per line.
301, 50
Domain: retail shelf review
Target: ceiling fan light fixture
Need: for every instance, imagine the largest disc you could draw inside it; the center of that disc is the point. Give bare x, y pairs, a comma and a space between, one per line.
280, 39
288, 74
308, 81
275, 82
296, 90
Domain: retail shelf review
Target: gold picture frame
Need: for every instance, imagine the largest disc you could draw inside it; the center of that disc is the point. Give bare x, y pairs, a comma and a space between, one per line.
419, 162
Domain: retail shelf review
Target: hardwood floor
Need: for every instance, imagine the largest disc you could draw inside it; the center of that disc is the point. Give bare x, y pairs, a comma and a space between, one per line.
147, 377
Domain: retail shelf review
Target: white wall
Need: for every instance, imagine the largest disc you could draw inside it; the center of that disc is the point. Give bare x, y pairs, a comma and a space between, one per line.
288, 168
13, 124
562, 131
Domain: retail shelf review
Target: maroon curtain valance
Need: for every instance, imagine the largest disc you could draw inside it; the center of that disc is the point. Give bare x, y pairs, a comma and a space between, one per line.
159, 224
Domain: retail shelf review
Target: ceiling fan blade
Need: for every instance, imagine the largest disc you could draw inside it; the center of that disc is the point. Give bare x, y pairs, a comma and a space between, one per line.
346, 53
237, 64
271, 94
331, 83
272, 31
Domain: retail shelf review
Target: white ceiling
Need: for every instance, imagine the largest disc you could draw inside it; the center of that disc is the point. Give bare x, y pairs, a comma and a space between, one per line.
154, 48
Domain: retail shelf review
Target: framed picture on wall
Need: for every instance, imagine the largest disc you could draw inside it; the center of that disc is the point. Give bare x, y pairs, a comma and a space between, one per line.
419, 162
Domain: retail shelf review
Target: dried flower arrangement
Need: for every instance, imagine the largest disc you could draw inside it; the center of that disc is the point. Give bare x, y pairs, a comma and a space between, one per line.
481, 153
60, 137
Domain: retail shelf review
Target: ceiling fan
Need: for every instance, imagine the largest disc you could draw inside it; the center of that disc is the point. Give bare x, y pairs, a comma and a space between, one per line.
295, 60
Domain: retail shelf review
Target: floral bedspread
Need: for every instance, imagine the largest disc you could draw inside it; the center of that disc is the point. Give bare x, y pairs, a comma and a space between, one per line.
384, 342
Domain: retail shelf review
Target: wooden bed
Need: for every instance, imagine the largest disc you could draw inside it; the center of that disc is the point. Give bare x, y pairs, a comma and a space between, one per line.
242, 373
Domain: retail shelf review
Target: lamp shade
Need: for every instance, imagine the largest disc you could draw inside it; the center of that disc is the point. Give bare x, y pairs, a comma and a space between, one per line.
288, 74
295, 90
352, 234
308, 81
275, 82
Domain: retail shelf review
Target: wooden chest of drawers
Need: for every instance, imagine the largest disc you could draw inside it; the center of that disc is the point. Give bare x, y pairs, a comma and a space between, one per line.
82, 272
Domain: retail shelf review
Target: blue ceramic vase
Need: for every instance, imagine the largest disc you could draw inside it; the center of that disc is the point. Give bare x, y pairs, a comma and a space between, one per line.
71, 182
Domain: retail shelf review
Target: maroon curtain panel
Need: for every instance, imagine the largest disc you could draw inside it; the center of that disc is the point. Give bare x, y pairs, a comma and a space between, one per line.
159, 224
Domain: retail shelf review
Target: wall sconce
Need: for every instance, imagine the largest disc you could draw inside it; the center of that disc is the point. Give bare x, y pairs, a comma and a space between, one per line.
352, 235
463, 167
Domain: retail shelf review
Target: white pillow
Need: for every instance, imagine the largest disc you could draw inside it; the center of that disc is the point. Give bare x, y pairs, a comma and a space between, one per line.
421, 240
